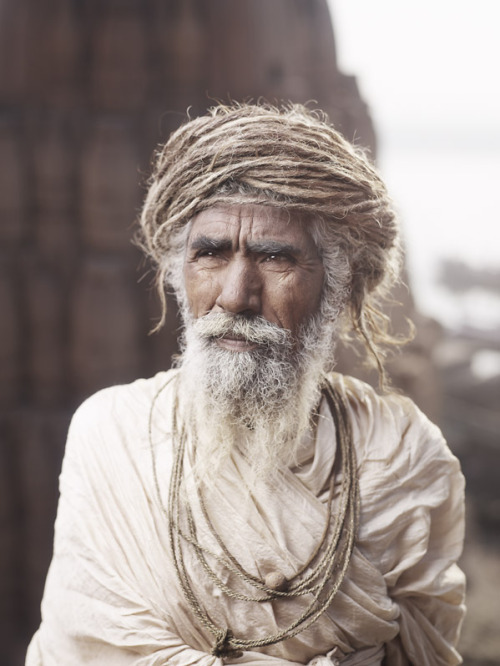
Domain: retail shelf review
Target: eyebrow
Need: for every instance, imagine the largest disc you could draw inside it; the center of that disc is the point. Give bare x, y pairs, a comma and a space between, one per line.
207, 243
272, 247
203, 242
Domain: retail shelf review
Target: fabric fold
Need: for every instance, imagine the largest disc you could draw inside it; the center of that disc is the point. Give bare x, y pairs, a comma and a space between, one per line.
112, 596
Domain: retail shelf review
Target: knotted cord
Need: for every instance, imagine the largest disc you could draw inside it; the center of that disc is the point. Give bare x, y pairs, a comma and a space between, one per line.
320, 576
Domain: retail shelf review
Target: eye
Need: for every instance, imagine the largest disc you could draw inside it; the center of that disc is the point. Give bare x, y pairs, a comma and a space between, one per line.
208, 257
207, 252
278, 257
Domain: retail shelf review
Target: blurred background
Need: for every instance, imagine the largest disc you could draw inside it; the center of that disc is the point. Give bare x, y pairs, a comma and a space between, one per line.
89, 87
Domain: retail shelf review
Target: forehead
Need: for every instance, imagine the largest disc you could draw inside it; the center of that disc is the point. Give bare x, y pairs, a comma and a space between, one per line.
253, 222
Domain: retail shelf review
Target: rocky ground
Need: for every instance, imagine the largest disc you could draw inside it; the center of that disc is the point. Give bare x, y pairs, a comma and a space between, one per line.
480, 643
471, 423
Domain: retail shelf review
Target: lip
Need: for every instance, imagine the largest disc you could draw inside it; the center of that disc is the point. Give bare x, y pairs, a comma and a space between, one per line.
236, 344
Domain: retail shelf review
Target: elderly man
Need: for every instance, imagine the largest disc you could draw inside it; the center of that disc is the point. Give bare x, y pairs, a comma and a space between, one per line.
251, 506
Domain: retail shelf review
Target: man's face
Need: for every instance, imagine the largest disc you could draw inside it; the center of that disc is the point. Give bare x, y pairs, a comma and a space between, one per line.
252, 260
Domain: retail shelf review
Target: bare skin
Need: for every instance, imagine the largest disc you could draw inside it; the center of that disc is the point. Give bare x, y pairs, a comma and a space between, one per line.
252, 260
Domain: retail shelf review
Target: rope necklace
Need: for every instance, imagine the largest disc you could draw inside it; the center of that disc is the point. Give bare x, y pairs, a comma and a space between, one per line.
319, 577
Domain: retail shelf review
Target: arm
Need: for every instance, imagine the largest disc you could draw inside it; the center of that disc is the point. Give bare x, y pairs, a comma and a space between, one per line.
92, 610
430, 593
110, 597
424, 580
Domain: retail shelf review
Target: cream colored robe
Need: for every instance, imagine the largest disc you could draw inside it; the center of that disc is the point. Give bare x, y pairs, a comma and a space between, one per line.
112, 597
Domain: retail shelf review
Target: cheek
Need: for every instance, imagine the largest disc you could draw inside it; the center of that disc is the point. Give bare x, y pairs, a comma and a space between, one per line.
294, 300
201, 290
310, 301
303, 308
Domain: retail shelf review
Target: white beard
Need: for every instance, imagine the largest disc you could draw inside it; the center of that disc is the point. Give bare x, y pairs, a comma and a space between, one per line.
260, 401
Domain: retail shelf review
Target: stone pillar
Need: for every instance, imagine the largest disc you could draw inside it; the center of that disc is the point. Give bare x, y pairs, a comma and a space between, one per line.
87, 89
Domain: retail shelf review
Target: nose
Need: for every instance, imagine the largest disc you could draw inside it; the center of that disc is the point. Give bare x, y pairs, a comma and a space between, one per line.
240, 288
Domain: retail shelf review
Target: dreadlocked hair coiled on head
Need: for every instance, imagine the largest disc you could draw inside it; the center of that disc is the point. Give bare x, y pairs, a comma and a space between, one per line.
288, 157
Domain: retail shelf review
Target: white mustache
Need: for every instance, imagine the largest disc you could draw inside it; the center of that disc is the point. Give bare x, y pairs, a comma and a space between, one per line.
252, 329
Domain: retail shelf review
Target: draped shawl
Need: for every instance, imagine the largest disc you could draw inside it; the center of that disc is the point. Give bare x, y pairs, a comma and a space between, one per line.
112, 596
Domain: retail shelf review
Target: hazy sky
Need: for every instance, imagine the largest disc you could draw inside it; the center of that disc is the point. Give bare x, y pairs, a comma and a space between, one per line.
425, 62
428, 71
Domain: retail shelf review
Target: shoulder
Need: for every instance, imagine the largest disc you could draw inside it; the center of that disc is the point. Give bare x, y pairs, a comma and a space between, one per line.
114, 425
119, 404
367, 404
410, 482
404, 462
384, 424
400, 452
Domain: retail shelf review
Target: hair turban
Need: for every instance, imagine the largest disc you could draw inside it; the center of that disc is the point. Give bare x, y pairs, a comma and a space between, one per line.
289, 157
